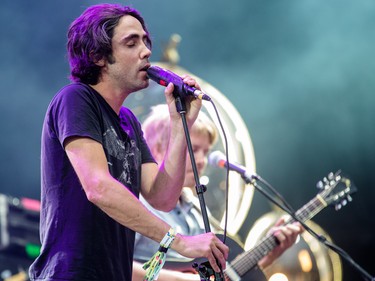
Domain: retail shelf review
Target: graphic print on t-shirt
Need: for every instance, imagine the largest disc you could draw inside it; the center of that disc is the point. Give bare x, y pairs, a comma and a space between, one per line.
125, 152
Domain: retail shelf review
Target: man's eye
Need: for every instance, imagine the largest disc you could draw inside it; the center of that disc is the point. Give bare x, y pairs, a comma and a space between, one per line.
148, 44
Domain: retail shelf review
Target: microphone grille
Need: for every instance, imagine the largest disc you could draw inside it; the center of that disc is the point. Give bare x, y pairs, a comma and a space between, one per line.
152, 71
215, 157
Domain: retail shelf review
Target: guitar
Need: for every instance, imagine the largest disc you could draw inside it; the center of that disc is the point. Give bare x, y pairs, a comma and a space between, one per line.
335, 191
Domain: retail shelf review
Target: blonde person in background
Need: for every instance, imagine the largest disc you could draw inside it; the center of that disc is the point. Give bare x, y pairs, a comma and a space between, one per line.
186, 217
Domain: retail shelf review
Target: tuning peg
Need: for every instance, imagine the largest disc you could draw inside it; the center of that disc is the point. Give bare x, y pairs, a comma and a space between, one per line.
320, 185
338, 177
331, 176
338, 207
350, 199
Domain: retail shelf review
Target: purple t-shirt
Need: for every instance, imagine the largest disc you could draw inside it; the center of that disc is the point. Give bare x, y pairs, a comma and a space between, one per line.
79, 241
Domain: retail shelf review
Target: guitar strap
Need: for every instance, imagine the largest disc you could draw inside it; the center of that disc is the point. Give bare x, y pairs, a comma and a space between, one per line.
188, 197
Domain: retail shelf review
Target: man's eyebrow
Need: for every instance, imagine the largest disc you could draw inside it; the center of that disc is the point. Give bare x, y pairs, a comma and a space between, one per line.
136, 36
130, 37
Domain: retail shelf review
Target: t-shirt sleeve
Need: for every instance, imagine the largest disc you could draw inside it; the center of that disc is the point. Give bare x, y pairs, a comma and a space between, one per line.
145, 150
75, 114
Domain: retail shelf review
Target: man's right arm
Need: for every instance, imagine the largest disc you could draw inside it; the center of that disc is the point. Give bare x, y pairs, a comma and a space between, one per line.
89, 162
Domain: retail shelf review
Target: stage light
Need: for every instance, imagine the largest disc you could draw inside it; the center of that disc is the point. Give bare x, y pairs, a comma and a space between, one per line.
278, 277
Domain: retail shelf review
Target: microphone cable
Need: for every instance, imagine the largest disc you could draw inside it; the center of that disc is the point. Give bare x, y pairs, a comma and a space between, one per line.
227, 171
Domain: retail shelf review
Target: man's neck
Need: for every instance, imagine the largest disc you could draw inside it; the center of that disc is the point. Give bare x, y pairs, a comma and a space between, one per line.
113, 97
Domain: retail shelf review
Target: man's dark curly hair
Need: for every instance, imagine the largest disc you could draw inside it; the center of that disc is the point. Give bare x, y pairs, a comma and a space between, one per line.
90, 39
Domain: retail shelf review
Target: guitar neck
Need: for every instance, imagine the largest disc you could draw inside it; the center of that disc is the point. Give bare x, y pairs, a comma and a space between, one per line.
249, 259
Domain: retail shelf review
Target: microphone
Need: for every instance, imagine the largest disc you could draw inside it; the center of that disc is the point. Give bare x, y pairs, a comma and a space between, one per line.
218, 159
164, 77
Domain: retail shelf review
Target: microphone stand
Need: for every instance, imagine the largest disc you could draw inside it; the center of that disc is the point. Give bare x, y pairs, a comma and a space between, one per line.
204, 269
252, 180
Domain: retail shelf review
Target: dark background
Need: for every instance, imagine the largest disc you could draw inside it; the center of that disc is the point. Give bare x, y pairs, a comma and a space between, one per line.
299, 72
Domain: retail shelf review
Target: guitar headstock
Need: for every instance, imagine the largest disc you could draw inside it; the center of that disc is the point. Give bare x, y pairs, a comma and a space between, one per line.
336, 190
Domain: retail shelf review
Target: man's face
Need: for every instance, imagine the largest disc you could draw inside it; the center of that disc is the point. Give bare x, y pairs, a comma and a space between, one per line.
130, 53
201, 146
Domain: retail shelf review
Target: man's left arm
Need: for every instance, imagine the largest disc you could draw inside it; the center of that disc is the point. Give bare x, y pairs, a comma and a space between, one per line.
161, 186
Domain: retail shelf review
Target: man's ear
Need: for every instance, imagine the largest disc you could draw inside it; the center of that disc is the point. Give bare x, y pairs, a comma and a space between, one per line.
100, 62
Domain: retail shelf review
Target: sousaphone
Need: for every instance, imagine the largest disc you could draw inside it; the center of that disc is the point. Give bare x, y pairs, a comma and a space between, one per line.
239, 142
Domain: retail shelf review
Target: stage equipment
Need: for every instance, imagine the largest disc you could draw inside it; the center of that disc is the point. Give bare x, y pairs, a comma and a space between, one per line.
13, 268
19, 226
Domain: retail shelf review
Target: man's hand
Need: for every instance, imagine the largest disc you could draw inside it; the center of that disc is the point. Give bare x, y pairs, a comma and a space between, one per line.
286, 235
193, 105
205, 245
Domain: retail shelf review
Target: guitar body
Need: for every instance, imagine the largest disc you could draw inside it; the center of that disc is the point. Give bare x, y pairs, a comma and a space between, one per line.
254, 274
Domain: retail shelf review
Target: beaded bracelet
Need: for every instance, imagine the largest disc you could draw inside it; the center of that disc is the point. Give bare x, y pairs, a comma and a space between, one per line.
155, 264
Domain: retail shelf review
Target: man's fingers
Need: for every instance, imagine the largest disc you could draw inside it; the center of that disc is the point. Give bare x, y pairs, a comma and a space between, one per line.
168, 91
287, 235
213, 263
220, 254
220, 258
224, 249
